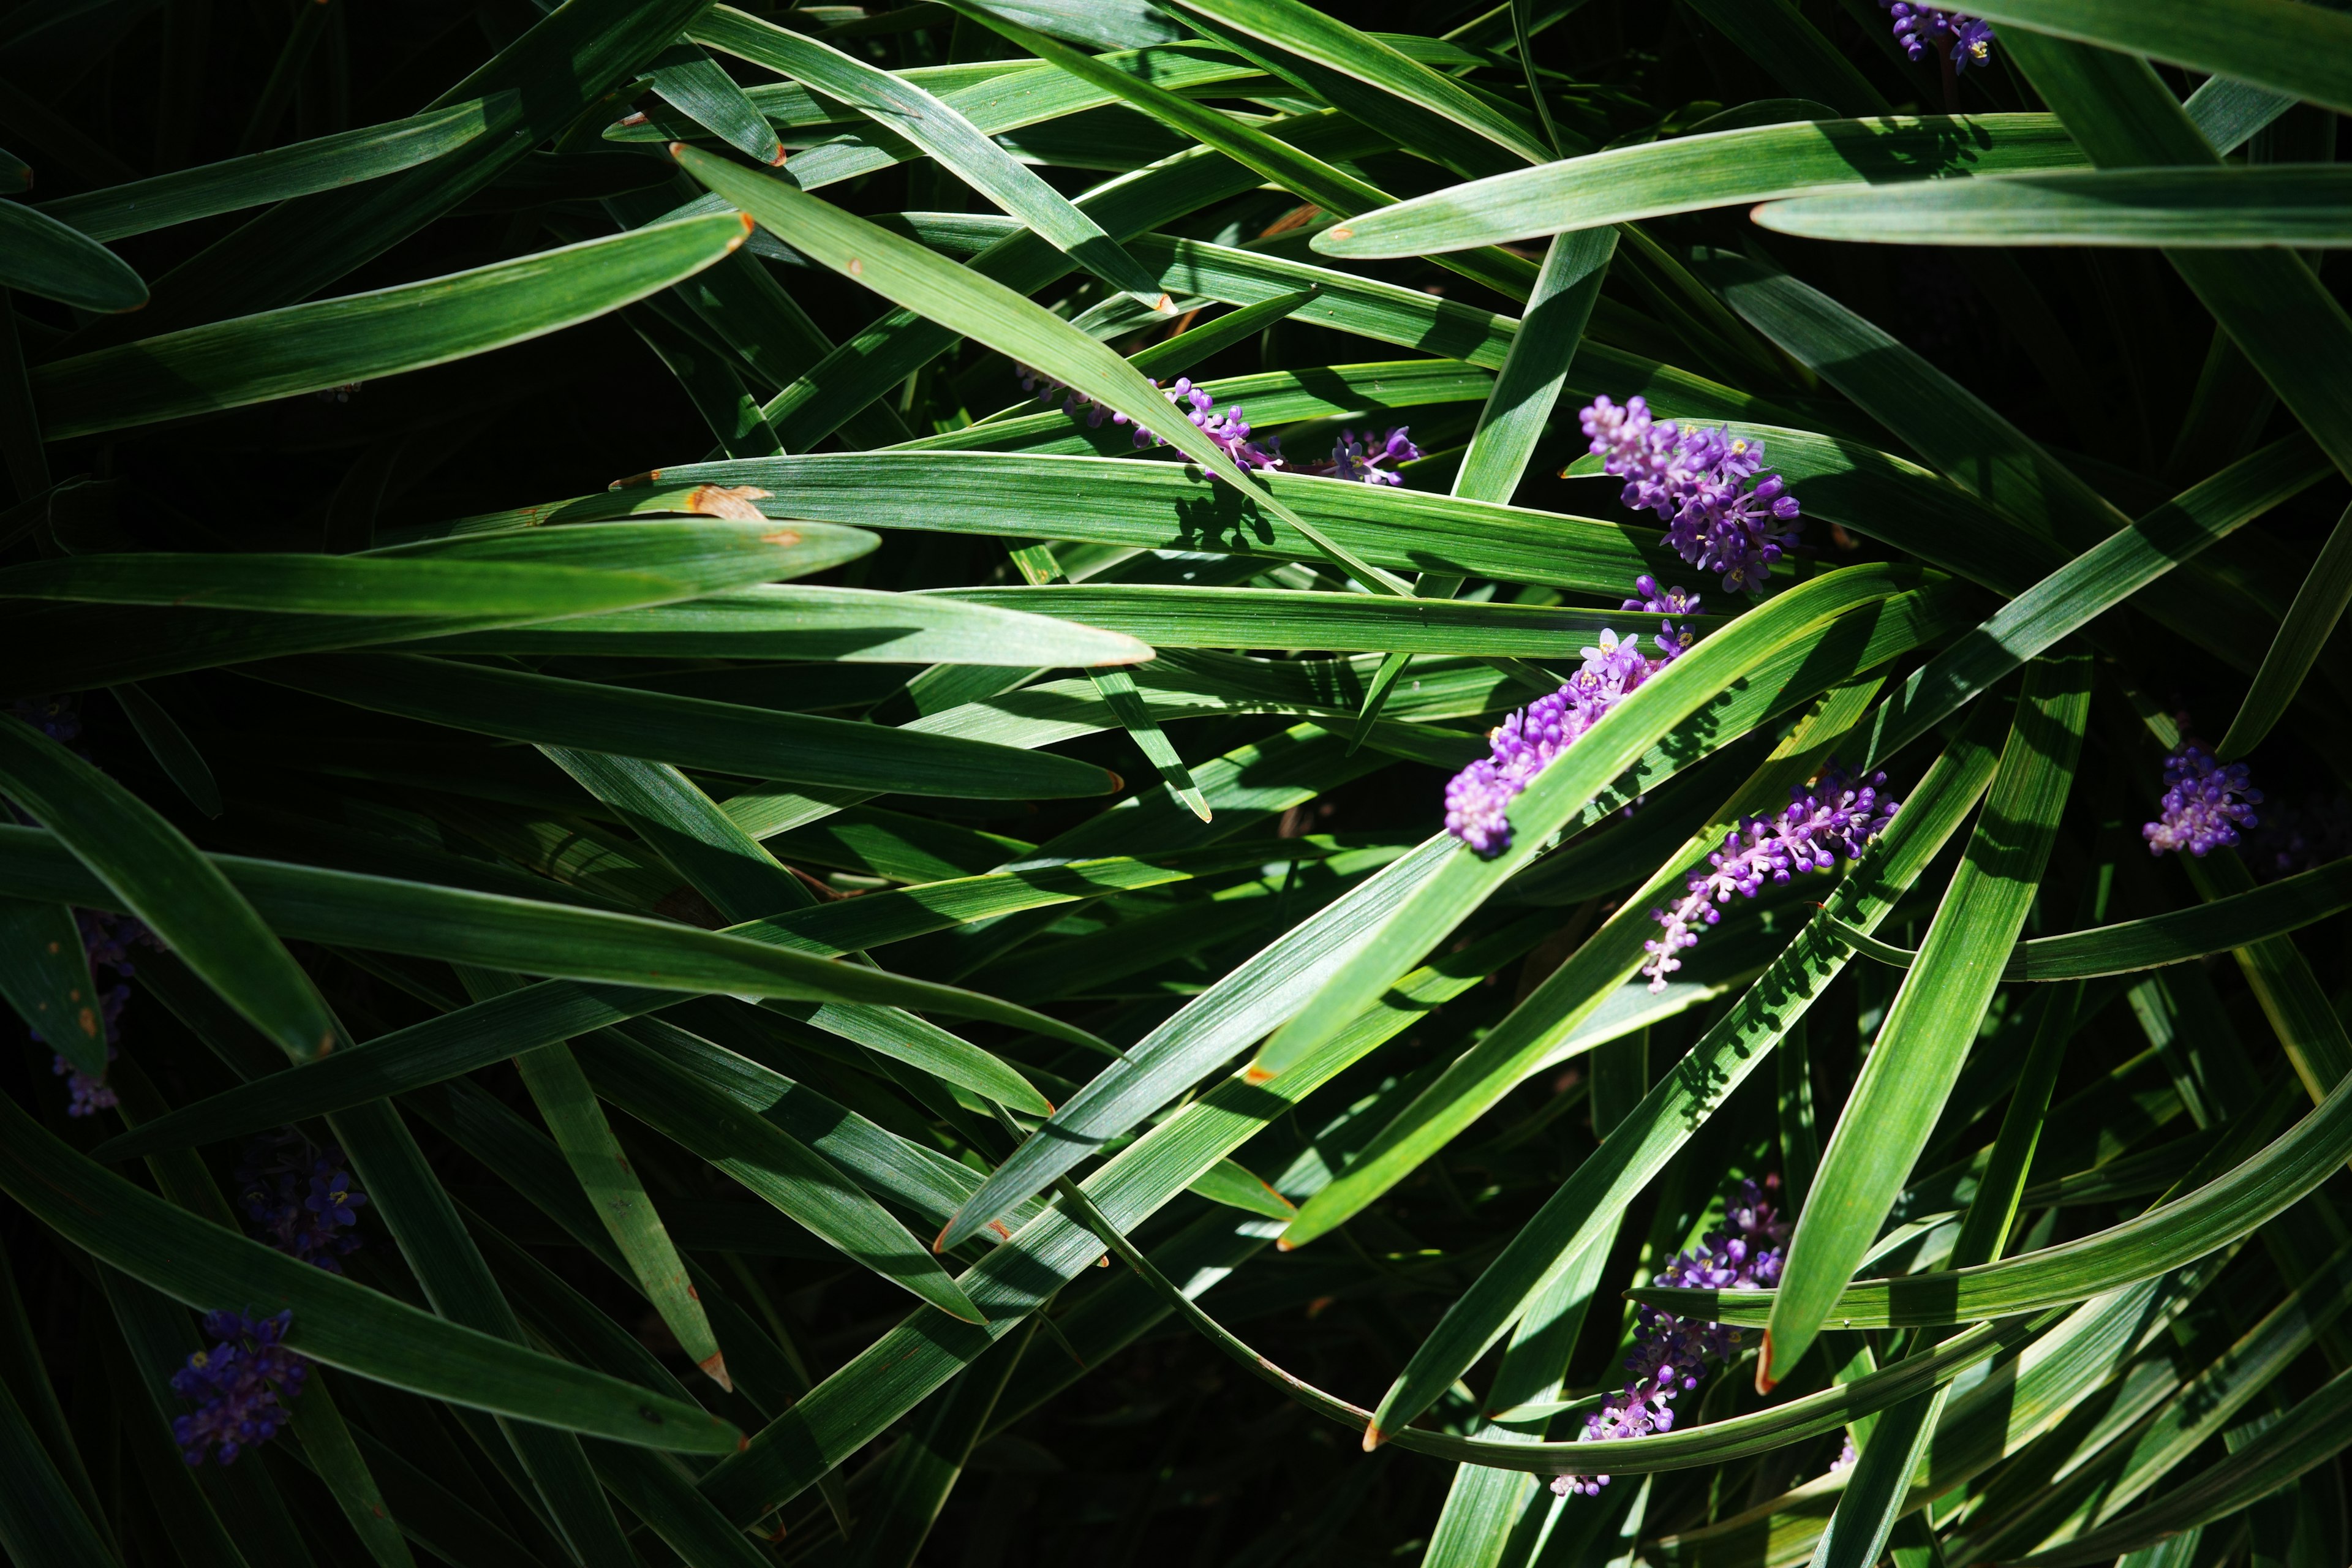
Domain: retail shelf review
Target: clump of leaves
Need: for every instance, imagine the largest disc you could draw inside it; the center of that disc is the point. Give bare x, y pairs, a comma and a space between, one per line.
1021, 782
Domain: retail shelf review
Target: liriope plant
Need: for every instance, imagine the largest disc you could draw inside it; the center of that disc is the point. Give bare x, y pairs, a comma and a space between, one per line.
1032, 782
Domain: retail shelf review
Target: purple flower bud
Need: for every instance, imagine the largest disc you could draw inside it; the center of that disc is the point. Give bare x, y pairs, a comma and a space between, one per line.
2204, 803
1924, 31
236, 1385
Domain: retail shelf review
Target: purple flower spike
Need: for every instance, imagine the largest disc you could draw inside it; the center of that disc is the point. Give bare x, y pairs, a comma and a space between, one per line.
1670, 1353
1524, 744
299, 1199
1924, 31
2204, 804
1229, 430
1698, 480
235, 1386
1827, 821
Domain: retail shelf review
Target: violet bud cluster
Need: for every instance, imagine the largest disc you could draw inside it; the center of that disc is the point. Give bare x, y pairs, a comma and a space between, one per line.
1670, 1353
235, 1386
1478, 797
2204, 806
1370, 457
1925, 31
299, 1199
1829, 820
1699, 480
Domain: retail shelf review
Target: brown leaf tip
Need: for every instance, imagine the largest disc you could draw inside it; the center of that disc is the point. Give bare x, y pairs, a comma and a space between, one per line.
677, 149
939, 1242
715, 1365
778, 160
1373, 1435
1765, 1381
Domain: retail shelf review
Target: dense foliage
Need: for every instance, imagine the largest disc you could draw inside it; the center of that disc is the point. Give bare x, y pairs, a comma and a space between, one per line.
1043, 782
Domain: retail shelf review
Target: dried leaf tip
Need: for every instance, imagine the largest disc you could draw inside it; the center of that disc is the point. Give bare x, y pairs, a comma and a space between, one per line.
748, 226
677, 149
939, 1242
715, 1365
1373, 1435
778, 160
1765, 1381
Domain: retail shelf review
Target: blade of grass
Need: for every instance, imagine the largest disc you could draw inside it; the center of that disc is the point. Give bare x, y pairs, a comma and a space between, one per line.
2269, 205
307, 348
57, 262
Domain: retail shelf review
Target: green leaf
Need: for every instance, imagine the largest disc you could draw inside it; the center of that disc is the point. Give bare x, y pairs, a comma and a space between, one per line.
306, 348
1911, 1068
323, 163
153, 871
1689, 173
1229, 1182
45, 974
693, 83
338, 585
856, 626
689, 732
2275, 203
1169, 506
957, 146
57, 262
568, 1104
778, 1167
336, 1321
2307, 1435
41, 1522
1632, 1155
2311, 620
923, 1467
1292, 25
1518, 411
2305, 51
169, 744
1175, 617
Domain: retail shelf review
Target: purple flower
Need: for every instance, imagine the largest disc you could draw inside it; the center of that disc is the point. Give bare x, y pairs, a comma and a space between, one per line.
1229, 430
2204, 803
1670, 1353
1524, 744
1698, 481
236, 1385
1923, 30
1825, 822
108, 939
299, 1199
1845, 1457
1358, 456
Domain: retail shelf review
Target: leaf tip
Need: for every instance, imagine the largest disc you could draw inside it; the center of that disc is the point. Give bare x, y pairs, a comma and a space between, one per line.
715, 1364
1765, 1382
1373, 1435
939, 1242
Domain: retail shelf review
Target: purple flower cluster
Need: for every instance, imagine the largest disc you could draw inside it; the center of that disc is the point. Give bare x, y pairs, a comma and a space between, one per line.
1353, 457
299, 1199
1826, 821
1698, 480
1669, 1353
107, 940
2294, 839
1524, 744
2204, 803
1924, 31
235, 1386
1358, 458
